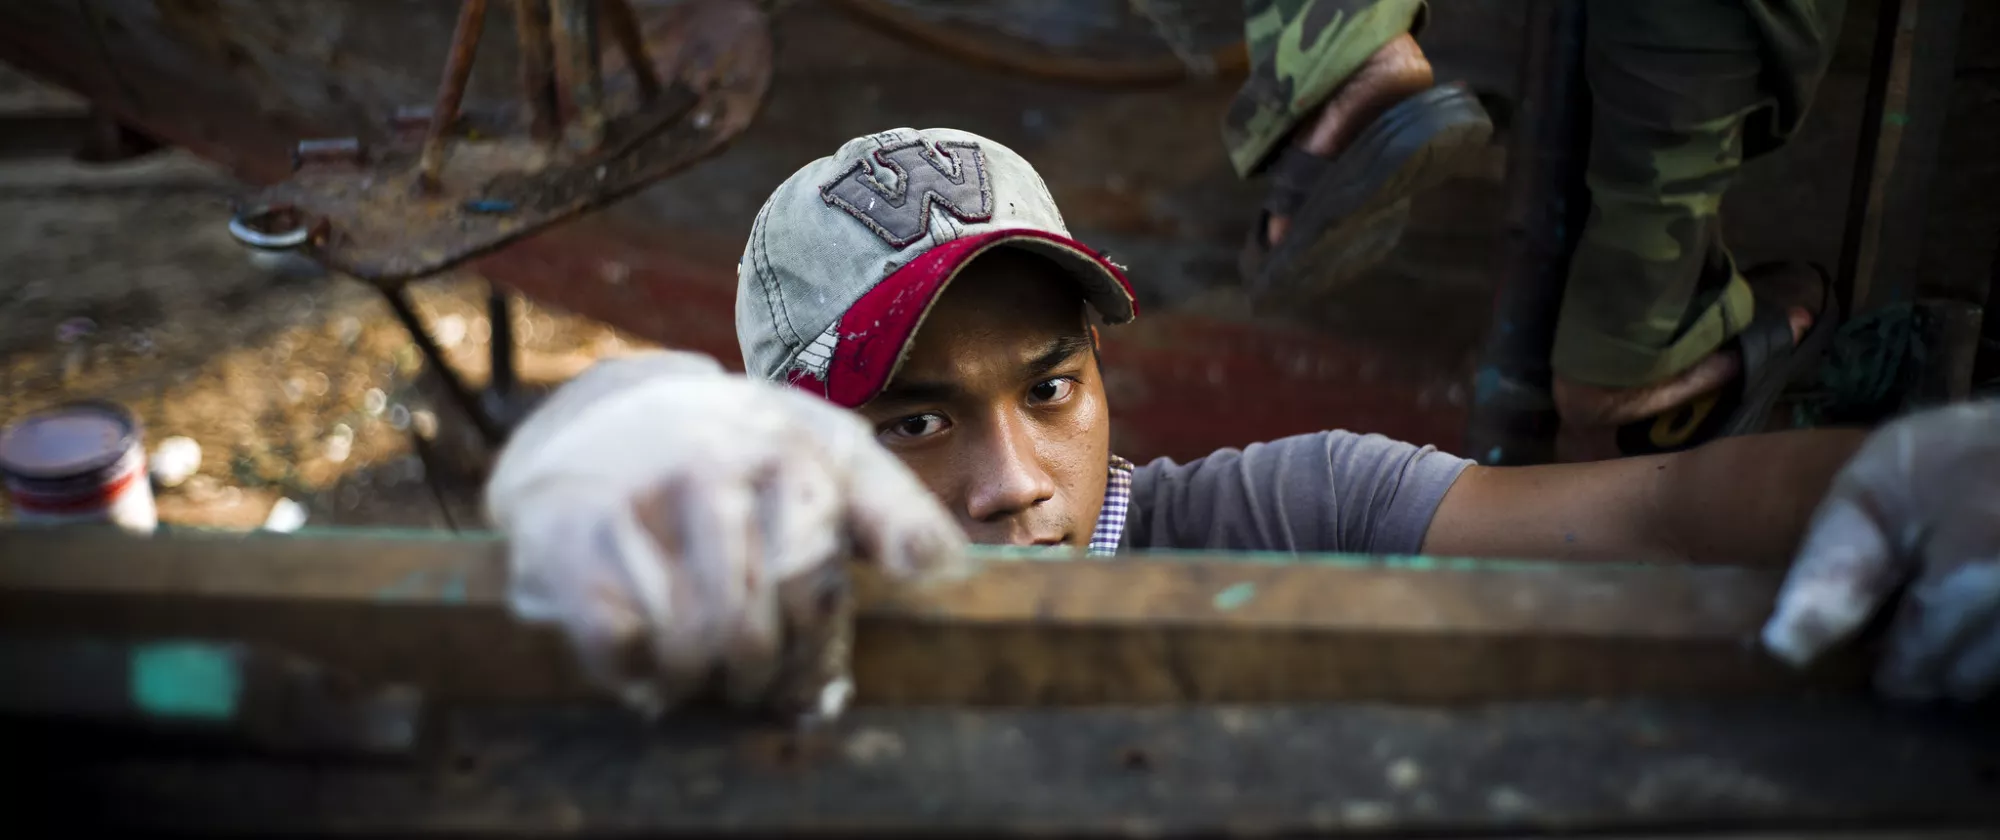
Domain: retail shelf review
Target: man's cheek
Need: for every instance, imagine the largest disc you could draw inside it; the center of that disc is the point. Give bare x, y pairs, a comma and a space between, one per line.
936, 472
1083, 476
1093, 412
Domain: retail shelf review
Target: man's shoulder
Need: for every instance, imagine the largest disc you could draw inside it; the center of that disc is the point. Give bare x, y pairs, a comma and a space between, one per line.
1331, 444
1319, 491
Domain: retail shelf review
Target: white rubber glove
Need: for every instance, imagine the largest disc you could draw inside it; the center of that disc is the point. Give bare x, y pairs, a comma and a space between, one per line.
1918, 504
681, 523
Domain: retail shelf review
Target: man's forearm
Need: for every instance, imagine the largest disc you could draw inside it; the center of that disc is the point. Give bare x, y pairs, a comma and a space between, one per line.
1739, 500
1747, 500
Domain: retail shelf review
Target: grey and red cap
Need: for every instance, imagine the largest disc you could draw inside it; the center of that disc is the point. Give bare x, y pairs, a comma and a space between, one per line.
847, 257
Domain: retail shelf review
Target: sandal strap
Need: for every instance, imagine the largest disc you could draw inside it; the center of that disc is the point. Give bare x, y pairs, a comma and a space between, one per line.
1767, 342
1294, 175
1769, 333
1768, 336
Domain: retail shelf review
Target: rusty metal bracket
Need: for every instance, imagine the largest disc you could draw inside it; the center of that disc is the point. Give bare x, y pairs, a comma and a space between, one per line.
687, 79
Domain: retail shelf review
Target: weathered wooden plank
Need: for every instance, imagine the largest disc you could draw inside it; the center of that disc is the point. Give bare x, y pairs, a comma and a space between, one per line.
1153, 629
1651, 768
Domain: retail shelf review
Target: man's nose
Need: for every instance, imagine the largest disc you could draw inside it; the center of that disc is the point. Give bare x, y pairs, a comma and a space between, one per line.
1009, 477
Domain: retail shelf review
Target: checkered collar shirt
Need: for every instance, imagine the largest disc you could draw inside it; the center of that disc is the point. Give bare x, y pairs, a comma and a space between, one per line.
1117, 500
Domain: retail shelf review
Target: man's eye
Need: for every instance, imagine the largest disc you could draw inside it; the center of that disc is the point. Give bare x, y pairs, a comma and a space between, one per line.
915, 426
1053, 390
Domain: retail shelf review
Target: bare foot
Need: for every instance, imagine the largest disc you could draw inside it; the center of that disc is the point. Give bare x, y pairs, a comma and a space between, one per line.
1394, 73
1591, 414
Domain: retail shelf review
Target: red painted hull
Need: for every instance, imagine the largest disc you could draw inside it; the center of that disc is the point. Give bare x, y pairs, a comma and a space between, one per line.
1181, 384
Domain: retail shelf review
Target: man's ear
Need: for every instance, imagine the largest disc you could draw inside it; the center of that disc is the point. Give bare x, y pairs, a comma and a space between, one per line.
1094, 346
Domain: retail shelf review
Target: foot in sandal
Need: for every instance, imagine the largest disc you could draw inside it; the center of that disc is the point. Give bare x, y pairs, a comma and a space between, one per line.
1340, 192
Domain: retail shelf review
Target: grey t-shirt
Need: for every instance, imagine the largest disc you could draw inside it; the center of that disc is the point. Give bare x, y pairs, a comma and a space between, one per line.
1325, 492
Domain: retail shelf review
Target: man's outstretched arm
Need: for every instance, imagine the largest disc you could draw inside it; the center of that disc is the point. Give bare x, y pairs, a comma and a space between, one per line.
1904, 521
1743, 500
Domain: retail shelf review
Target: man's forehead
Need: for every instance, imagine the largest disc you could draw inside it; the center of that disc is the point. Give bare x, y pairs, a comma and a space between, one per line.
1013, 346
1006, 320
1011, 282
1008, 317
951, 365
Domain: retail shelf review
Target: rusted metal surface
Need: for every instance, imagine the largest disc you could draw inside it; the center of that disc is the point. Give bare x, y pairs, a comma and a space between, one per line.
1138, 171
979, 35
1776, 770
238, 82
1182, 380
451, 91
109, 140
430, 612
624, 25
579, 70
120, 57
375, 223
333, 151
538, 80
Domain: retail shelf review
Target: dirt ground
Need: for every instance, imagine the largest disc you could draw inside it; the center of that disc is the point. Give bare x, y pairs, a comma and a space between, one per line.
121, 282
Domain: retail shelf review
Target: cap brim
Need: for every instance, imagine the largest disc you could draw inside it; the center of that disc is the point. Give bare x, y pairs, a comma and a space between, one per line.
878, 328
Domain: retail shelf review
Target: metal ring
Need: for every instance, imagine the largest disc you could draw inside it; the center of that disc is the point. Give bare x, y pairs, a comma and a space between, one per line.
284, 240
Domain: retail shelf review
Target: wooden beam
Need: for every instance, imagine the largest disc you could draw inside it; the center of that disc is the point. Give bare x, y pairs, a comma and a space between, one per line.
429, 610
1793, 767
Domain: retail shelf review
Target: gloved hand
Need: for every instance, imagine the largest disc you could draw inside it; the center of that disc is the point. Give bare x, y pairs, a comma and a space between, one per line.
682, 523
1919, 504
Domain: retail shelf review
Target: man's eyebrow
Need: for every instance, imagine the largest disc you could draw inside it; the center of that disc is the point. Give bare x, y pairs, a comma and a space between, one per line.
1059, 351
912, 392
905, 393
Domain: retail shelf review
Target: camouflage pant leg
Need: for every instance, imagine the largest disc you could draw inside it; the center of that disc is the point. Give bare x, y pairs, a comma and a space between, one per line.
1682, 92
1300, 51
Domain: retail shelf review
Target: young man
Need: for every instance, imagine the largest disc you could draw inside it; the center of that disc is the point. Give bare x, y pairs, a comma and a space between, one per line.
926, 281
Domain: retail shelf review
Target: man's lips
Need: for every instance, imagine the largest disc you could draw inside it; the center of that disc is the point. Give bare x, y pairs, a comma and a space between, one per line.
1023, 540
1017, 534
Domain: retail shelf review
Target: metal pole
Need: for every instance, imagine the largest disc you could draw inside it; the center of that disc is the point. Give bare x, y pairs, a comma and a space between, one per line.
1874, 160
458, 70
1513, 419
467, 401
579, 70
501, 348
538, 83
624, 25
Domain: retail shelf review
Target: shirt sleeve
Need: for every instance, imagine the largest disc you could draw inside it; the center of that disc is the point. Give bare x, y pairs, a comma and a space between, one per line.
1326, 492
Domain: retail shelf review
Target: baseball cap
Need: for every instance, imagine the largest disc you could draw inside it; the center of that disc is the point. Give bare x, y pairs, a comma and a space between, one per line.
847, 257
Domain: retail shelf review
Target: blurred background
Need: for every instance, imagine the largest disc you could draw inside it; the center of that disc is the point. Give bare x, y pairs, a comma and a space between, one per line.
119, 280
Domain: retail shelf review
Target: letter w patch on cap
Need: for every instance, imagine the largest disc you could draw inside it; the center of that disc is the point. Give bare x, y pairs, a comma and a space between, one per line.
953, 178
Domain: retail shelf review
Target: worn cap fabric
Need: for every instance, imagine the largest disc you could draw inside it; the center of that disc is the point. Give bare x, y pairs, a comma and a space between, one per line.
846, 258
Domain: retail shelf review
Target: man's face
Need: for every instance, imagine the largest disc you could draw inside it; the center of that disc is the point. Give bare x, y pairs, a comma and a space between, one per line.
999, 408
